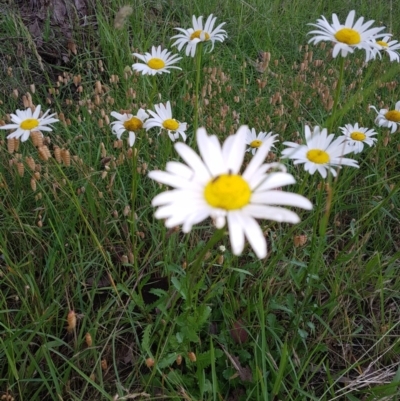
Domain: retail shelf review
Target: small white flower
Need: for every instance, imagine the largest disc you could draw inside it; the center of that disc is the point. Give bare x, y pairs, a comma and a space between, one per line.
389, 46
255, 141
388, 118
320, 153
349, 36
356, 137
192, 36
26, 122
211, 186
156, 62
162, 118
128, 122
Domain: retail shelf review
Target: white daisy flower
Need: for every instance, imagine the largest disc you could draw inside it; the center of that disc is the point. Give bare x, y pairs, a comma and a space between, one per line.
388, 118
390, 47
255, 141
211, 186
156, 62
320, 153
197, 34
162, 117
349, 36
356, 137
128, 122
26, 122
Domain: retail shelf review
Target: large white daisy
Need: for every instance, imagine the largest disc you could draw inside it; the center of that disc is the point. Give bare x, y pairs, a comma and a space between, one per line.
26, 122
255, 140
388, 118
156, 62
356, 137
212, 186
349, 36
128, 122
162, 118
192, 36
390, 47
320, 153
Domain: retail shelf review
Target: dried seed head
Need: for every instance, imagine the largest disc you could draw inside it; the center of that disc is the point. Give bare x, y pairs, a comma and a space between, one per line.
88, 339
104, 364
20, 169
66, 157
37, 138
57, 154
33, 184
44, 153
192, 356
179, 359
150, 362
30, 162
299, 240
71, 320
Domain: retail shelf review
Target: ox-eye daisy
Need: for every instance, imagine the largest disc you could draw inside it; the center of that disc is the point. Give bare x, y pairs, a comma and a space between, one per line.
156, 62
349, 36
389, 46
255, 140
128, 122
356, 137
212, 186
388, 118
162, 118
192, 36
26, 122
320, 153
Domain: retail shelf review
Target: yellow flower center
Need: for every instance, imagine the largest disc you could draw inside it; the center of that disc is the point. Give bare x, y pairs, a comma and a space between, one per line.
227, 192
348, 36
156, 63
393, 115
256, 143
196, 34
357, 136
29, 123
318, 156
171, 124
133, 124
382, 43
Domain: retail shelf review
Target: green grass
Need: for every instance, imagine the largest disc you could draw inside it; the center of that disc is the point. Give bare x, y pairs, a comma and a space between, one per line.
317, 322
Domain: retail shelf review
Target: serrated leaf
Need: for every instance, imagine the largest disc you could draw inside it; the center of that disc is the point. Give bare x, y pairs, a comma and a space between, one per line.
167, 360
146, 338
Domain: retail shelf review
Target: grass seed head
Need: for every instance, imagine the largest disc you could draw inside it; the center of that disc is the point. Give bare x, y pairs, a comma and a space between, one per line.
71, 320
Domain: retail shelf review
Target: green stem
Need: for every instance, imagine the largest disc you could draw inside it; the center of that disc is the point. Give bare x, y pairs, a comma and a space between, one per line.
135, 154
192, 272
331, 120
153, 91
199, 52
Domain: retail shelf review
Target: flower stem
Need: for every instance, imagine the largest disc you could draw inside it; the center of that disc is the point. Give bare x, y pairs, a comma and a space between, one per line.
199, 52
192, 272
331, 120
153, 91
